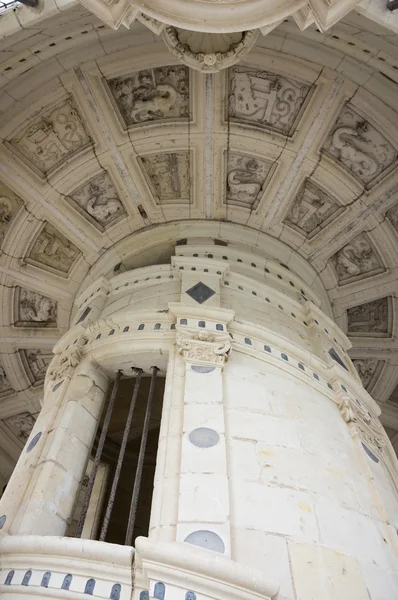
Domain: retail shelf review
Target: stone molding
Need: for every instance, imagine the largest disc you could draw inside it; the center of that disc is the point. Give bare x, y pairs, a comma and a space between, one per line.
203, 348
362, 423
209, 574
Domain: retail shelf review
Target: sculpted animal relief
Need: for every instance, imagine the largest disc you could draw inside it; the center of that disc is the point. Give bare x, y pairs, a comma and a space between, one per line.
355, 259
99, 199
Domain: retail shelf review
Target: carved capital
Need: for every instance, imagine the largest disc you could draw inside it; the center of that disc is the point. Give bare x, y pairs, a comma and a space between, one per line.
362, 423
64, 363
203, 348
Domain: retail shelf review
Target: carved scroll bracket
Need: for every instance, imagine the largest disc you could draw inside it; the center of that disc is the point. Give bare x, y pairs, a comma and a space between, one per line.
204, 348
362, 424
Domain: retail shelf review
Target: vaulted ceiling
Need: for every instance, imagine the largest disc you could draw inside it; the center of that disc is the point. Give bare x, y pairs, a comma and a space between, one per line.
103, 133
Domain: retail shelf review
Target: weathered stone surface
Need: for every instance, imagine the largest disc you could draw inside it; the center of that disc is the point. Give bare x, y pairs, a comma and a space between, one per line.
10, 204
53, 250
169, 176
367, 369
99, 200
312, 210
34, 309
21, 425
37, 363
245, 179
371, 318
356, 259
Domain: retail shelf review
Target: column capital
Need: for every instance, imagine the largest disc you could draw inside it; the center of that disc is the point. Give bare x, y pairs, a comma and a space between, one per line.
204, 348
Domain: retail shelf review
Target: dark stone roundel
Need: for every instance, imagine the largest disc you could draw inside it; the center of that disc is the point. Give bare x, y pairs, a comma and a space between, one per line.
206, 539
204, 437
3, 520
33, 442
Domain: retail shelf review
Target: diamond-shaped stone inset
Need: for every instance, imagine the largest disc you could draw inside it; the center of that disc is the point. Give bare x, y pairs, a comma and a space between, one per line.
200, 292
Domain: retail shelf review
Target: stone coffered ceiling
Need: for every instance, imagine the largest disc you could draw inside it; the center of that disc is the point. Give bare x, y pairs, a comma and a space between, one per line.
104, 133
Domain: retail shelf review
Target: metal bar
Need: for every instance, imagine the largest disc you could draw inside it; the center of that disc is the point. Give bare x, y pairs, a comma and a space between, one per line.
120, 458
97, 458
140, 464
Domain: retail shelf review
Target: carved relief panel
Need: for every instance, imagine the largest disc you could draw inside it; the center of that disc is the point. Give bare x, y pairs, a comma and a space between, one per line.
47, 141
368, 370
10, 204
5, 385
312, 210
356, 260
53, 251
246, 177
21, 425
98, 201
36, 363
169, 176
34, 310
152, 94
265, 99
393, 216
372, 319
359, 146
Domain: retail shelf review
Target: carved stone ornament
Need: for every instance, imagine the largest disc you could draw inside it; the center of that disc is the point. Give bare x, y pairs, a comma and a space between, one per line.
208, 52
356, 259
359, 146
264, 99
367, 369
37, 363
371, 319
312, 210
5, 385
98, 200
56, 135
246, 177
64, 363
203, 348
35, 310
21, 425
169, 176
392, 214
53, 250
362, 423
10, 204
152, 94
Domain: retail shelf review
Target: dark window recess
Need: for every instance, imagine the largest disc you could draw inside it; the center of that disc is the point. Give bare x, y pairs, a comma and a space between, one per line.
182, 242
66, 582
220, 243
90, 585
159, 591
337, 358
26, 577
45, 580
84, 314
115, 592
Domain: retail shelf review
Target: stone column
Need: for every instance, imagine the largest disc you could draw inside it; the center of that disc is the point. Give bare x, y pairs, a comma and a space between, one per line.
40, 496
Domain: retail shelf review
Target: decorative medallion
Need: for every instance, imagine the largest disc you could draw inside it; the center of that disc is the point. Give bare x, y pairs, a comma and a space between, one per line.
208, 52
152, 94
356, 260
312, 210
246, 177
371, 319
264, 99
98, 201
359, 146
34, 310
10, 204
169, 176
52, 138
53, 251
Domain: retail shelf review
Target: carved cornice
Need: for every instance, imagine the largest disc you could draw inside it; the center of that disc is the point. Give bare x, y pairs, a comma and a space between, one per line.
204, 348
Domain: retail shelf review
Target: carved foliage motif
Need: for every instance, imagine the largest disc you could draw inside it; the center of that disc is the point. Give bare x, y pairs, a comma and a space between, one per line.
265, 99
203, 348
64, 363
362, 423
21, 425
169, 176
152, 94
311, 210
53, 250
367, 368
10, 204
359, 146
245, 179
5, 386
35, 310
355, 259
37, 363
57, 134
371, 318
99, 199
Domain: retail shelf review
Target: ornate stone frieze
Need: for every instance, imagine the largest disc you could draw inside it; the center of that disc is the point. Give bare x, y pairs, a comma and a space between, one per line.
153, 24
37, 363
392, 214
356, 260
359, 146
98, 200
10, 204
208, 52
246, 177
370, 319
203, 348
368, 369
64, 363
264, 99
152, 94
21, 425
169, 176
34, 310
53, 251
312, 210
362, 423
47, 141
5, 385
